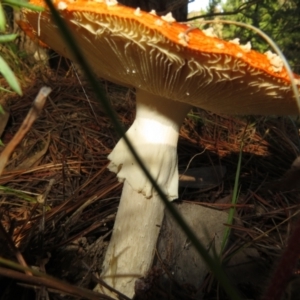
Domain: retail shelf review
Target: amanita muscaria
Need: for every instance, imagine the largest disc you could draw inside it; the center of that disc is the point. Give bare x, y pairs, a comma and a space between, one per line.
172, 68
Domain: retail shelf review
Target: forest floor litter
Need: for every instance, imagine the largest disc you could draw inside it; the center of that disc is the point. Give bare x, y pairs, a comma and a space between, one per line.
58, 201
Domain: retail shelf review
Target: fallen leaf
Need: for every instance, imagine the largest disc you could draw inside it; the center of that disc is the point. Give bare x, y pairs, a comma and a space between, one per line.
30, 161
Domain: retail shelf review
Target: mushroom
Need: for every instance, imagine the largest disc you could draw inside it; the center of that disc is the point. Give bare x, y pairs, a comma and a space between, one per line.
172, 68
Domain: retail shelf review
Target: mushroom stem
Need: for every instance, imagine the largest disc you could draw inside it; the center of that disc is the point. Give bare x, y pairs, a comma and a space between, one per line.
154, 134
131, 250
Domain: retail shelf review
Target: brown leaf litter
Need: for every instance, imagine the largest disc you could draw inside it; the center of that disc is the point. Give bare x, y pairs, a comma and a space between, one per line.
59, 201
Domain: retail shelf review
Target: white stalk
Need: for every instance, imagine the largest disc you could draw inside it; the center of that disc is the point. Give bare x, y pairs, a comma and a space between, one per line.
132, 246
154, 135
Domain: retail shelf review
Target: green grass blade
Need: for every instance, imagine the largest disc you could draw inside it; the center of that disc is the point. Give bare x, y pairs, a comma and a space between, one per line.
235, 196
8, 74
8, 191
5, 90
23, 4
2, 19
7, 38
2, 112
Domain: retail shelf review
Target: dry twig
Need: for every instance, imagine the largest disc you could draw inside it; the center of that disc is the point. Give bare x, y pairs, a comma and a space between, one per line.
32, 115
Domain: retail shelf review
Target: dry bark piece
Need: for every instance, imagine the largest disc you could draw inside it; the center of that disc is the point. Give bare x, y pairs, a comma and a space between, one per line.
177, 254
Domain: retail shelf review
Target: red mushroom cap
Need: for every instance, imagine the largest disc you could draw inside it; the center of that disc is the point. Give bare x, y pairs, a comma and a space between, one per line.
169, 59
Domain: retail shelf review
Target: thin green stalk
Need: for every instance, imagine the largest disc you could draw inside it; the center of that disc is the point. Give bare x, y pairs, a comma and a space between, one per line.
212, 264
235, 196
19, 194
